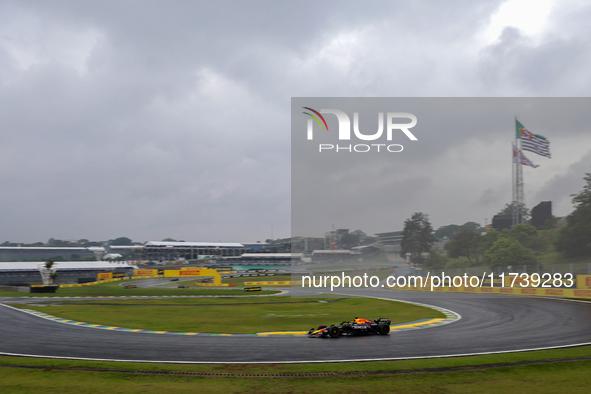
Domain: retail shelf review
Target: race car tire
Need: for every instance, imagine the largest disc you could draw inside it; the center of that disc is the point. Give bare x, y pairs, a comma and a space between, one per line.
334, 331
384, 329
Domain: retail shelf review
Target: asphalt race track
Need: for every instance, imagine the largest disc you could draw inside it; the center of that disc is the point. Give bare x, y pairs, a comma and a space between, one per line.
490, 323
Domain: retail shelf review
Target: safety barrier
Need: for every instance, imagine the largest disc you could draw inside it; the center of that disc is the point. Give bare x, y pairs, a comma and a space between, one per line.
93, 283
269, 283
531, 291
168, 273
98, 282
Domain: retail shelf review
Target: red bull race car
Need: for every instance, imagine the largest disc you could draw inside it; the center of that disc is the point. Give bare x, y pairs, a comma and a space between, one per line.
356, 327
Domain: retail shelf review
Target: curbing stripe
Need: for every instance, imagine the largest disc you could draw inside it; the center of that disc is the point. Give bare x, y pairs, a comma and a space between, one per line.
423, 323
112, 328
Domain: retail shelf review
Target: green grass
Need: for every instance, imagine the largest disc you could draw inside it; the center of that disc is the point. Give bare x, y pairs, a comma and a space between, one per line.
114, 289
572, 377
275, 278
6, 293
397, 365
235, 315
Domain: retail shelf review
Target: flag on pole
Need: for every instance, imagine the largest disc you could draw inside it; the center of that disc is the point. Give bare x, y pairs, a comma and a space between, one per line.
532, 142
519, 157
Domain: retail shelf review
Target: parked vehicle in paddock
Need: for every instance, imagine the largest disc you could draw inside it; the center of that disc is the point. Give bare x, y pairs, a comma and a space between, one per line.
358, 326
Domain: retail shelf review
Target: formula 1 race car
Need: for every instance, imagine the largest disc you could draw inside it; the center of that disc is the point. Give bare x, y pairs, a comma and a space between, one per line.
355, 327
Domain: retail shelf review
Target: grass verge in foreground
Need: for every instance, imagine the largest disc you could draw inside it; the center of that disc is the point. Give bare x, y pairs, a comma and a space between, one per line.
234, 315
579, 351
572, 377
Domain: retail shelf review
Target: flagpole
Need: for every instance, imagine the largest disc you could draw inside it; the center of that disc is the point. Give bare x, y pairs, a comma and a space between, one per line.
518, 201
533, 143
519, 184
515, 210
513, 182
518, 176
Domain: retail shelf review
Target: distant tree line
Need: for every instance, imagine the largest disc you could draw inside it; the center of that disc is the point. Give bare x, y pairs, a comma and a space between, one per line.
518, 245
575, 238
52, 242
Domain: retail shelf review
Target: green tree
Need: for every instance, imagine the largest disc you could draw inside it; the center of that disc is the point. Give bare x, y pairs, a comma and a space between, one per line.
528, 236
464, 244
89, 243
53, 275
417, 237
121, 241
58, 242
435, 260
487, 241
550, 223
583, 198
470, 227
446, 231
451, 230
575, 238
508, 251
457, 263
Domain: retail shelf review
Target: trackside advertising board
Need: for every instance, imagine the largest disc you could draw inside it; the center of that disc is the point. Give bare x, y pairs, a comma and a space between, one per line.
145, 272
583, 281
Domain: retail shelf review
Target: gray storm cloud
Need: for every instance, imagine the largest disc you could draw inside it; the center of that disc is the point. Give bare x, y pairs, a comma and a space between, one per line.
162, 119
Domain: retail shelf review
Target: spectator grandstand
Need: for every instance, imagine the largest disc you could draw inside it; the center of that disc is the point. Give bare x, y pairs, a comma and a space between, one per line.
68, 271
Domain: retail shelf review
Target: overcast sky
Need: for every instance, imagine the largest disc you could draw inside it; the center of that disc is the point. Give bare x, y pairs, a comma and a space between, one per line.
458, 169
156, 119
